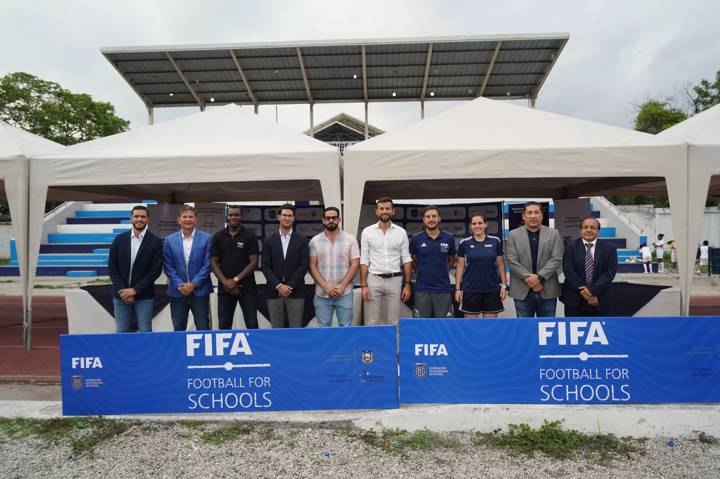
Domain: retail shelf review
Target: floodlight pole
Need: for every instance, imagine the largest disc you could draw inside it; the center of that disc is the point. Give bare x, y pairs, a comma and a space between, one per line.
422, 109
151, 114
532, 101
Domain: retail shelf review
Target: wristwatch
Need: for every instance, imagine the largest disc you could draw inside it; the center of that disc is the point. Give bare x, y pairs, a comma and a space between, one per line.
503, 285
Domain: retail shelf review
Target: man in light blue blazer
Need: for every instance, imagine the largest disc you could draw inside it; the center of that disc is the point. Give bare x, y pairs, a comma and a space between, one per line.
186, 260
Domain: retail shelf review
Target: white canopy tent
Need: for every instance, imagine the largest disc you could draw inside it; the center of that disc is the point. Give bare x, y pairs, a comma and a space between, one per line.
702, 133
223, 154
488, 148
16, 146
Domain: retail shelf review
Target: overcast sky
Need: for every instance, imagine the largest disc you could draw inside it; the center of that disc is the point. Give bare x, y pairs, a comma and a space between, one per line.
619, 53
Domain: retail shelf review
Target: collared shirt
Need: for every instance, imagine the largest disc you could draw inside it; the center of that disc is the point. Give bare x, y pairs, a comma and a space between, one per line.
135, 242
431, 261
384, 252
334, 258
481, 271
285, 241
592, 250
534, 238
187, 246
233, 254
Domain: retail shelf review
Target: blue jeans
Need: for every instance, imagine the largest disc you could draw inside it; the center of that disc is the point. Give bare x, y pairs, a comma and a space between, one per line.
133, 317
200, 307
535, 305
342, 307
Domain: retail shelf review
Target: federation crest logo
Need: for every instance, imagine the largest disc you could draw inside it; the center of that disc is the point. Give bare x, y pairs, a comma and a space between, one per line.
77, 381
420, 370
367, 356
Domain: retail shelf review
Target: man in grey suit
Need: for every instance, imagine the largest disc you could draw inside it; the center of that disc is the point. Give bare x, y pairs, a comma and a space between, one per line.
534, 254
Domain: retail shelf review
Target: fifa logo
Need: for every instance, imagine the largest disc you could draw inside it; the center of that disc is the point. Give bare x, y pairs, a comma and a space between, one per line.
572, 333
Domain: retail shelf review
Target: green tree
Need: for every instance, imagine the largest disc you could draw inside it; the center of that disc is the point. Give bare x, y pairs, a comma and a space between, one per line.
706, 94
47, 109
655, 116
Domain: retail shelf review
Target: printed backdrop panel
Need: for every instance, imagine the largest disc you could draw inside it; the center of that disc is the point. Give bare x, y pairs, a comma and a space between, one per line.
225, 371
558, 361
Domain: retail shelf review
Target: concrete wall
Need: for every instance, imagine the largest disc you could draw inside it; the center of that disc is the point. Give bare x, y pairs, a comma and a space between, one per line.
641, 215
6, 234
711, 224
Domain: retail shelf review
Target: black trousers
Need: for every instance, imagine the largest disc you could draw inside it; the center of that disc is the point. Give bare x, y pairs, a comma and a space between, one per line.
226, 310
582, 310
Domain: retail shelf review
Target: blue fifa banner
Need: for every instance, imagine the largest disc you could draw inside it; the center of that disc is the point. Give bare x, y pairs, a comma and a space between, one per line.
228, 371
560, 360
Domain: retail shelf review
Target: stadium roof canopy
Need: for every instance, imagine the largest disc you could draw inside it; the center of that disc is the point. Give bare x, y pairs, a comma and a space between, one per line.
408, 69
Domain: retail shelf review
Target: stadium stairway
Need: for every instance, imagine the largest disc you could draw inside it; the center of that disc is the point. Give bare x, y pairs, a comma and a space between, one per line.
80, 247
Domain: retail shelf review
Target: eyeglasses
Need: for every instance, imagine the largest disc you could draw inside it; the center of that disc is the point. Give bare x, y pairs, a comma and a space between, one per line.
331, 218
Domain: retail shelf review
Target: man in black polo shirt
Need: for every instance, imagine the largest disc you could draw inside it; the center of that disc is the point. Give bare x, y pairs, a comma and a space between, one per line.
234, 259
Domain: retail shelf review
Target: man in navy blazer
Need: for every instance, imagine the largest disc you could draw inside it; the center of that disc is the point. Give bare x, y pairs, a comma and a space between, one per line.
186, 259
285, 261
135, 262
588, 257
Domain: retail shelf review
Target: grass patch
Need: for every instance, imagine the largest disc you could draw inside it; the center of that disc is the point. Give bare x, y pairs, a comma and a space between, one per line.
227, 433
558, 443
100, 430
399, 440
83, 433
4, 261
51, 286
708, 439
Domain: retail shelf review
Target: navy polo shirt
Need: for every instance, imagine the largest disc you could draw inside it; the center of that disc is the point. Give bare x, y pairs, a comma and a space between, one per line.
481, 273
431, 261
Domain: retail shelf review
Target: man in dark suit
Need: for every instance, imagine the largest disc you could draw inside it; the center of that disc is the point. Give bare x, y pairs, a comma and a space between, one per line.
186, 259
135, 262
593, 258
285, 260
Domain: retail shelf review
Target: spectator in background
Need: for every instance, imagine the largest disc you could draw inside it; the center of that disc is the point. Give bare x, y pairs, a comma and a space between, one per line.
186, 260
703, 256
660, 253
646, 258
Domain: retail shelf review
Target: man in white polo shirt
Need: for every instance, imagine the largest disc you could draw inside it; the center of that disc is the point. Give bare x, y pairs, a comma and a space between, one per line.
385, 262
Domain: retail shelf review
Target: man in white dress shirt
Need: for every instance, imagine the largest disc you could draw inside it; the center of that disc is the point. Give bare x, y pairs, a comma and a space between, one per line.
385, 264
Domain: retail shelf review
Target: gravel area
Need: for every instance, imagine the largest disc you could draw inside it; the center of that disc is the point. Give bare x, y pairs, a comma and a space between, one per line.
178, 450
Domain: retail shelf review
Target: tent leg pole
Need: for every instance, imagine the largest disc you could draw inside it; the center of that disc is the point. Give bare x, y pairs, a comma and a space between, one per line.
312, 121
366, 121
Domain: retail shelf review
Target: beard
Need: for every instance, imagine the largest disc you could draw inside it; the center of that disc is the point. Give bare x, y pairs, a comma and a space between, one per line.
331, 226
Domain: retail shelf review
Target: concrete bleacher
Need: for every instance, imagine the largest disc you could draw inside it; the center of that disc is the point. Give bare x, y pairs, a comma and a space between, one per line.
80, 247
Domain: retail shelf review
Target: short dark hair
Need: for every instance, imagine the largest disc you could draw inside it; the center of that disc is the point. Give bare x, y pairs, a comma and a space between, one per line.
140, 207
287, 206
591, 218
187, 208
235, 207
431, 208
706, 242
331, 208
477, 213
384, 199
531, 203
